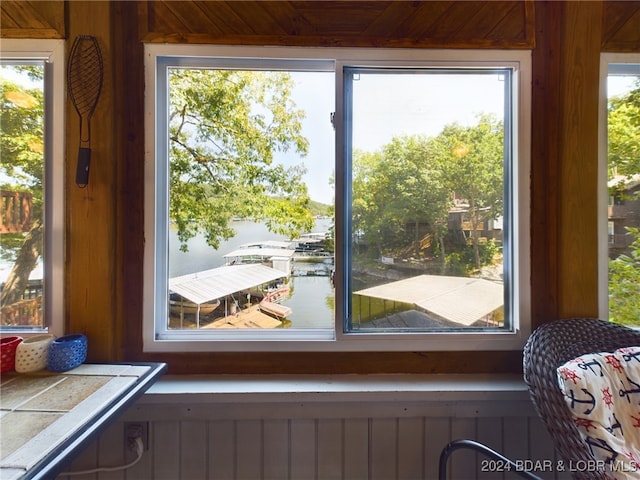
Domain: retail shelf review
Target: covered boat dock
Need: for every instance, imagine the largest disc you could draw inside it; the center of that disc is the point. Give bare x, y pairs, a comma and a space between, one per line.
218, 283
279, 258
453, 300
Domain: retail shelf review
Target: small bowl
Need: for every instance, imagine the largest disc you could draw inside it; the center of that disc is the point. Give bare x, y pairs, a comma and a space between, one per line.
31, 354
8, 346
67, 352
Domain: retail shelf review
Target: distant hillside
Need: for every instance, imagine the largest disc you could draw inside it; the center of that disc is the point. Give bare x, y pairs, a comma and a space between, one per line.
318, 208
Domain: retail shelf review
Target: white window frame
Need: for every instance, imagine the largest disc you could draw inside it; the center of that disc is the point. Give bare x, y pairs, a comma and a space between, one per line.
285, 340
53, 53
606, 59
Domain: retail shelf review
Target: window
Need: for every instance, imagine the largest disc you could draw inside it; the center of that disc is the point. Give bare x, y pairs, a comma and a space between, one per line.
31, 180
336, 199
620, 185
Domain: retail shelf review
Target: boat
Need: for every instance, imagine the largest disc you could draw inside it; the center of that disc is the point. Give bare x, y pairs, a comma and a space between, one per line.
275, 309
180, 305
270, 303
277, 295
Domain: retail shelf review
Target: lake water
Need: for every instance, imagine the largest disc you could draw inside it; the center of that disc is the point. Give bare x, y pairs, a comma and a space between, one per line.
312, 296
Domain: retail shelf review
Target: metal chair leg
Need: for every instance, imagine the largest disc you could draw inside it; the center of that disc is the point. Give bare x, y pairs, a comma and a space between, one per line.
509, 465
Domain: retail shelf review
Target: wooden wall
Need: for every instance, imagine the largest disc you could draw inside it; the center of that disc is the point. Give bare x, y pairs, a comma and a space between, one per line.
104, 234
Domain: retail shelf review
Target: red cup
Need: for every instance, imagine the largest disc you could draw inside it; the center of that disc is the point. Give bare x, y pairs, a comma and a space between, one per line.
8, 347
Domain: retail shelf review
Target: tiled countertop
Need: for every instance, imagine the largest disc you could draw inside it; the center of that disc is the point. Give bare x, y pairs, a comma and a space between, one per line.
46, 418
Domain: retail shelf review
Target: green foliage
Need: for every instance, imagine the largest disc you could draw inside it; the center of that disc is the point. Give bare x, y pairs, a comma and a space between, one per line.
462, 262
399, 186
624, 284
22, 133
11, 243
404, 192
225, 127
624, 163
473, 160
22, 151
624, 139
320, 209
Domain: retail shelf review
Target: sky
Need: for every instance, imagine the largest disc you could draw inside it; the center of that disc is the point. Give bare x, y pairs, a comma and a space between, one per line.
618, 85
413, 104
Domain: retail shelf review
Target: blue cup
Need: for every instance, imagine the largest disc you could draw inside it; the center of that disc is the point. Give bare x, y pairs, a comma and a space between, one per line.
67, 352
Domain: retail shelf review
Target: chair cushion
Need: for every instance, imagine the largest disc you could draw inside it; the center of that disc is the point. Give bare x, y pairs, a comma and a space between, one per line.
603, 392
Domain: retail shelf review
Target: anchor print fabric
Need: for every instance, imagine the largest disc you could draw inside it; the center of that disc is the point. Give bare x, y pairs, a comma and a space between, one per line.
603, 392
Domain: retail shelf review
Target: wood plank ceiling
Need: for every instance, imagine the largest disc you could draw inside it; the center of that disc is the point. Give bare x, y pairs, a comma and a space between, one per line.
621, 27
505, 24
32, 19
496, 24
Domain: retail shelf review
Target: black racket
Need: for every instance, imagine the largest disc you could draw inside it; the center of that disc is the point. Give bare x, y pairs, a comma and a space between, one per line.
84, 82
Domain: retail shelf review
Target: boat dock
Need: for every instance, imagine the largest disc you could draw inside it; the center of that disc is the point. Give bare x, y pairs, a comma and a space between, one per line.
250, 317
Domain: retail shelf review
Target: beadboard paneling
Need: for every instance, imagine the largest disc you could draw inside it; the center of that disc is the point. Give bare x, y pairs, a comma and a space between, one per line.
341, 440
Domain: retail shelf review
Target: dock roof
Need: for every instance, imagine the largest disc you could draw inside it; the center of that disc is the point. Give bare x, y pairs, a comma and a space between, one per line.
261, 252
267, 244
207, 285
462, 300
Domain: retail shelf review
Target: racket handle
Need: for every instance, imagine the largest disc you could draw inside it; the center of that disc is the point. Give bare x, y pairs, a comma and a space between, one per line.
82, 169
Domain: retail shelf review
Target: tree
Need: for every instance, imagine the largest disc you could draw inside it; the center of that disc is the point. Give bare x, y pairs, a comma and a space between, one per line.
473, 159
624, 284
624, 164
395, 189
22, 169
224, 128
623, 138
410, 182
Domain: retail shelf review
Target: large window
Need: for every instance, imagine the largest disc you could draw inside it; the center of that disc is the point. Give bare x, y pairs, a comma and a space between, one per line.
620, 189
31, 179
336, 199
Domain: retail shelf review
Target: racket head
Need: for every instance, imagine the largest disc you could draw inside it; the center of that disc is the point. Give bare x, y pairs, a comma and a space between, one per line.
85, 75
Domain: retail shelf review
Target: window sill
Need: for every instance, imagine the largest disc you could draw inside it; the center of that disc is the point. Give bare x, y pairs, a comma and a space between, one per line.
331, 388
275, 397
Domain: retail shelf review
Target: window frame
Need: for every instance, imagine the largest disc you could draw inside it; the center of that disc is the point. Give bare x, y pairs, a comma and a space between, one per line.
606, 59
53, 53
519, 60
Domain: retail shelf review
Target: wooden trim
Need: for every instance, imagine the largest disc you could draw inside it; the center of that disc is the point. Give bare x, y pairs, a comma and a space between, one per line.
545, 182
42, 33
578, 168
90, 217
129, 203
337, 363
324, 41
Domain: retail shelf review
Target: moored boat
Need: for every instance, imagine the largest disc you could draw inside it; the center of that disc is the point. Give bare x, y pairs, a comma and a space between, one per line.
277, 295
180, 305
275, 309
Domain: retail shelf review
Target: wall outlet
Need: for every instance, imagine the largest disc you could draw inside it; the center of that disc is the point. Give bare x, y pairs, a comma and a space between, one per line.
133, 430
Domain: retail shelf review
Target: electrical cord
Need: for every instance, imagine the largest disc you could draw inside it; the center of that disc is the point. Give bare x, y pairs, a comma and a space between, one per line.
139, 449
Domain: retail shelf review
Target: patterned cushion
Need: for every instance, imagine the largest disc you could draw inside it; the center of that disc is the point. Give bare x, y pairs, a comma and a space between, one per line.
603, 392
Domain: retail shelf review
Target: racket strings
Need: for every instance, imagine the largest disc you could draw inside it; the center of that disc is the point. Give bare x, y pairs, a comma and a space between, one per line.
85, 96
85, 75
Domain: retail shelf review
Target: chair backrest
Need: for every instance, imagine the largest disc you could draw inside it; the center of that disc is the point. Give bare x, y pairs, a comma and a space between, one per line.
550, 346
